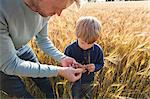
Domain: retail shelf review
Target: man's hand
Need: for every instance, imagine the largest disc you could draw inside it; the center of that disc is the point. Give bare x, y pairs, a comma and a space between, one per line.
90, 67
67, 61
70, 73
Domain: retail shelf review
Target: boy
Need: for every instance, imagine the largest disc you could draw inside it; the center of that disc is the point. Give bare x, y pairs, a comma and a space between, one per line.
85, 51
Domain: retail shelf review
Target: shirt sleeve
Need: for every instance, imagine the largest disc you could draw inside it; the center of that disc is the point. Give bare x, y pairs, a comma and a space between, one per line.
100, 60
11, 64
68, 51
47, 46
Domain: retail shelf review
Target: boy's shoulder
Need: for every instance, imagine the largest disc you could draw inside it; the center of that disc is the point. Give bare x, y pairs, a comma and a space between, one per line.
72, 45
98, 47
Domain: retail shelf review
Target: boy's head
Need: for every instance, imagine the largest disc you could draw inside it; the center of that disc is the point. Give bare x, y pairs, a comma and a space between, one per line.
87, 31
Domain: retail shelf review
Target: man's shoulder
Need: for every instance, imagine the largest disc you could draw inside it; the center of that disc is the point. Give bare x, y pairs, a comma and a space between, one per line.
10, 5
11, 9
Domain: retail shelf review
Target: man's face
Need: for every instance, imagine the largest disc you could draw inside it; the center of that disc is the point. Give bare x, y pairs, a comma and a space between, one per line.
51, 7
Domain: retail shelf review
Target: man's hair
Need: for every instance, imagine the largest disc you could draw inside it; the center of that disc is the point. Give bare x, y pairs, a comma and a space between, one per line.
88, 29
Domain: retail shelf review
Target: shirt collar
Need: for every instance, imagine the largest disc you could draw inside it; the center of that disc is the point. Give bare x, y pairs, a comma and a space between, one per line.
92, 48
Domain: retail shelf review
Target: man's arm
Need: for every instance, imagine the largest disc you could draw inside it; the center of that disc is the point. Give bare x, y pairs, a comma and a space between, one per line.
11, 64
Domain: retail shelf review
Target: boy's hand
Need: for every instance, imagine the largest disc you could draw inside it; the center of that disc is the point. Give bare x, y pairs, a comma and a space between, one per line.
78, 65
90, 67
84, 68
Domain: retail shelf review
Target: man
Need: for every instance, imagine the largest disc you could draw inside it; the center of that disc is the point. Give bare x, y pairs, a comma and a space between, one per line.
20, 20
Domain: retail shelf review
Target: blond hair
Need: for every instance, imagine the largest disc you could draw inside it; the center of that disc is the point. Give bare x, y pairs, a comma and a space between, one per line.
88, 29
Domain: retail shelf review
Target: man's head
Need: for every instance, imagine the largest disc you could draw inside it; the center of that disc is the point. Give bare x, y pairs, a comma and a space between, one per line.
49, 7
87, 31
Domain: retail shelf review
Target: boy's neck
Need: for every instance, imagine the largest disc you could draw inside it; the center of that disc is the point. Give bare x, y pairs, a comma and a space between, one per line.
82, 48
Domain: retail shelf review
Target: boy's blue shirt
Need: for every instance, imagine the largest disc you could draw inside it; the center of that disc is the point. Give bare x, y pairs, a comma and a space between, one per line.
93, 55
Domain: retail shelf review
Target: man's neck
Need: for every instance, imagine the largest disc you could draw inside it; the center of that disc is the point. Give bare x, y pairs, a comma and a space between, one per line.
31, 4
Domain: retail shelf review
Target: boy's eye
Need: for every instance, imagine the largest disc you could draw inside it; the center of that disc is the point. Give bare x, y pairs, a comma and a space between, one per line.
90, 43
82, 42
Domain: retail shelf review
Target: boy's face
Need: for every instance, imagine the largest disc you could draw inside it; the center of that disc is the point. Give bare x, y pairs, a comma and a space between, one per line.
84, 45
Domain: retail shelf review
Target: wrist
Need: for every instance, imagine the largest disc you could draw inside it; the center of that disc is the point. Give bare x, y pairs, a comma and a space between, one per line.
64, 56
61, 70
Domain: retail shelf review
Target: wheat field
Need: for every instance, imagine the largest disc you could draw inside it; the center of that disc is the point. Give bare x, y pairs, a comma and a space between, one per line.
125, 39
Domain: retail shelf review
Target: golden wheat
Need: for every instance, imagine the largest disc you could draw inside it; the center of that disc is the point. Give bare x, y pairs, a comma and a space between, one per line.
125, 38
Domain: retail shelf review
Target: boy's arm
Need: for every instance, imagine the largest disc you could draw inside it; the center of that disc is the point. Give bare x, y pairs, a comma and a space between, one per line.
100, 61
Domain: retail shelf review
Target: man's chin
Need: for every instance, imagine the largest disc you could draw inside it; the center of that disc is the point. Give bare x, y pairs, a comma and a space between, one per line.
45, 15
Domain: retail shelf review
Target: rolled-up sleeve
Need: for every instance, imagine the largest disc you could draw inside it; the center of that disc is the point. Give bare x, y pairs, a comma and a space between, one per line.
47, 46
11, 64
